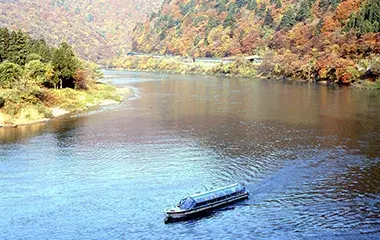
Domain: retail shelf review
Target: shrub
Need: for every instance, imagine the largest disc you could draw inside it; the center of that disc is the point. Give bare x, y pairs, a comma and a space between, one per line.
35, 70
10, 73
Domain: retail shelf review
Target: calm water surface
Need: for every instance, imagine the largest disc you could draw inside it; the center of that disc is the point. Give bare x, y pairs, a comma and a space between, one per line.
309, 155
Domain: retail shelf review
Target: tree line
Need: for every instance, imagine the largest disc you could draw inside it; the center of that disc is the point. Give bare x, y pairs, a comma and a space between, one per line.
26, 61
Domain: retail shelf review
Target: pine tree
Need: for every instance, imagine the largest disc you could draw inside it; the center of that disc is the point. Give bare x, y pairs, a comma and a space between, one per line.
10, 74
366, 20
229, 21
288, 20
41, 48
18, 48
277, 3
324, 5
268, 20
4, 43
65, 64
252, 5
305, 10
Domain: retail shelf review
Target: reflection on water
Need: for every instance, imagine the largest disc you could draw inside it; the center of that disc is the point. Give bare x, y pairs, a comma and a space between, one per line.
308, 154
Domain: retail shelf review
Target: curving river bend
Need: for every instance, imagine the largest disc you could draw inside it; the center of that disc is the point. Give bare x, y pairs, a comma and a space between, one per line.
308, 154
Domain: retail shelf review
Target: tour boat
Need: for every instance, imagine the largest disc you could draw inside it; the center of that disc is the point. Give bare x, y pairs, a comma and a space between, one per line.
202, 202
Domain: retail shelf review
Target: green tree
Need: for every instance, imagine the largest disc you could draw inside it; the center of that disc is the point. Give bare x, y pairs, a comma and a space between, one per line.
260, 12
212, 23
18, 48
65, 64
10, 74
325, 4
4, 43
51, 77
288, 20
252, 5
305, 10
240, 3
35, 71
367, 19
41, 48
268, 20
277, 3
229, 21
32, 57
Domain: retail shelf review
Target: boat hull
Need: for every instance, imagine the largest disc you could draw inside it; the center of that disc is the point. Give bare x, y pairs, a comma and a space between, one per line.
189, 213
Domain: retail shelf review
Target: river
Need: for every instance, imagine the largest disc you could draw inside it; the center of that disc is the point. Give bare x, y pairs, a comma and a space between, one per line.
308, 154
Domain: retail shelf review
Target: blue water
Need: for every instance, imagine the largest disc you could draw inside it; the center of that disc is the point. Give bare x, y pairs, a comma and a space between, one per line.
308, 154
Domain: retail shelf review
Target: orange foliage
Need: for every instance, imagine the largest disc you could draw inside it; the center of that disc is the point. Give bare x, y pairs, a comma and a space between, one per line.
332, 66
346, 8
250, 42
329, 24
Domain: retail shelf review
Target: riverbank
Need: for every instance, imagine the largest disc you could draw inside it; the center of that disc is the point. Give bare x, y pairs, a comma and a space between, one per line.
172, 65
46, 104
364, 75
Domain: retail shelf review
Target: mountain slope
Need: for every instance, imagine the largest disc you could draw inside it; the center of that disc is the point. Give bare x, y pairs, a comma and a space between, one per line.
307, 38
95, 28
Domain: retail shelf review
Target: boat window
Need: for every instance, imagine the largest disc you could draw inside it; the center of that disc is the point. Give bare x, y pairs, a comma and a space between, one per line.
187, 203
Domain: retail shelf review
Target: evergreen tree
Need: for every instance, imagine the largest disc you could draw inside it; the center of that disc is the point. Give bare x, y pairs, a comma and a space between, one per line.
277, 3
65, 64
41, 48
366, 20
4, 43
221, 6
324, 5
268, 20
18, 48
212, 23
288, 20
240, 3
229, 21
305, 10
252, 5
10, 74
261, 10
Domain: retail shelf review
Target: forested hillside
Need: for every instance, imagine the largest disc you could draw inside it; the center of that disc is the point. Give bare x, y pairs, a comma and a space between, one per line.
95, 28
309, 39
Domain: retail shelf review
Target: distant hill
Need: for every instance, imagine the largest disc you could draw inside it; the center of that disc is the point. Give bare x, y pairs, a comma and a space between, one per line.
96, 29
303, 38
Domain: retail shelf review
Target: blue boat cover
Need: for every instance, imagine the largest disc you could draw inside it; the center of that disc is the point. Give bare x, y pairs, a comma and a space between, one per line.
192, 200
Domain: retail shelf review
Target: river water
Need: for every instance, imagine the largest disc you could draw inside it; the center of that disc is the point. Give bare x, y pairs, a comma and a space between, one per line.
308, 154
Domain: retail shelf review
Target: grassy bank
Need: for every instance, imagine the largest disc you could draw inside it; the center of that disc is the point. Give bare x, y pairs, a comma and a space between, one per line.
38, 105
240, 68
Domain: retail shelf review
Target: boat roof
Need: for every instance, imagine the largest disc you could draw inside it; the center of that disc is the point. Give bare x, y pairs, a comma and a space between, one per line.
215, 193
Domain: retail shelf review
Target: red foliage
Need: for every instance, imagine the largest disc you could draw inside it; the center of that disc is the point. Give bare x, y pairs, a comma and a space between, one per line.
80, 79
250, 42
332, 66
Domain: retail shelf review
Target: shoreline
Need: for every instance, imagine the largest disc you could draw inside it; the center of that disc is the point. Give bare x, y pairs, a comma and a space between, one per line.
56, 112
358, 84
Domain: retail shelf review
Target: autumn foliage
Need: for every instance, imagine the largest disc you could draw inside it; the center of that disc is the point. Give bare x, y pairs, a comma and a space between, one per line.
96, 29
309, 39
